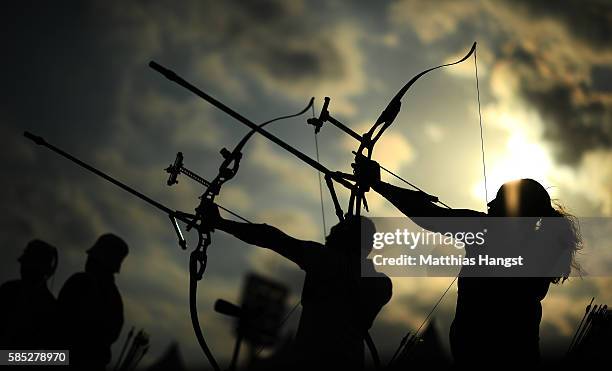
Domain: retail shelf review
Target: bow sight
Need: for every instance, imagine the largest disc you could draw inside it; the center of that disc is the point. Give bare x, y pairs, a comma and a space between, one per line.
177, 168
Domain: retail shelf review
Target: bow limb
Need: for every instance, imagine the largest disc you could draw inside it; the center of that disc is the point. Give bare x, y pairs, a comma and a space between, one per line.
231, 163
386, 118
389, 114
198, 258
260, 126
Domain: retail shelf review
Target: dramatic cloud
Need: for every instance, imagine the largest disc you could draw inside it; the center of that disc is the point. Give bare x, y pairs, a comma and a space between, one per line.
556, 60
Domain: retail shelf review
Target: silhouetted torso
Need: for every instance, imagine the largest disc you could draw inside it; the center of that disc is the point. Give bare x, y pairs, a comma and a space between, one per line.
92, 317
27, 315
498, 318
338, 309
338, 305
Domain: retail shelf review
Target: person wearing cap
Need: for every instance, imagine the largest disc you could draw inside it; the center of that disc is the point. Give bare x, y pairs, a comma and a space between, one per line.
28, 308
91, 310
497, 318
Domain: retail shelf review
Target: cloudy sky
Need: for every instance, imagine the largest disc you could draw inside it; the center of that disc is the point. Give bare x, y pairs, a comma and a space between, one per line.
76, 73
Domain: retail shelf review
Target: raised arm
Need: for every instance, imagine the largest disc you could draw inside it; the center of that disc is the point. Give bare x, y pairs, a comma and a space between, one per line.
418, 204
303, 253
419, 207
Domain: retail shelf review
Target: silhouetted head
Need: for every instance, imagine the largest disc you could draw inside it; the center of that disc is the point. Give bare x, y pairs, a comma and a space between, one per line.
106, 255
352, 235
528, 199
523, 197
38, 261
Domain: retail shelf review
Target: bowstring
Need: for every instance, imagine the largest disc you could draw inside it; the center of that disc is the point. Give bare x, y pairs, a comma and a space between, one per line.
410, 184
316, 140
296, 305
484, 171
484, 166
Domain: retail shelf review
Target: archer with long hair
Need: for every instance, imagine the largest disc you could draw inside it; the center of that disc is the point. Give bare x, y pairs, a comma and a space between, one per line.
497, 319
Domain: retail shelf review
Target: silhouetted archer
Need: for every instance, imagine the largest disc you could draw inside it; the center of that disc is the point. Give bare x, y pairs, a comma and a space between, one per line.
339, 304
497, 318
90, 306
27, 308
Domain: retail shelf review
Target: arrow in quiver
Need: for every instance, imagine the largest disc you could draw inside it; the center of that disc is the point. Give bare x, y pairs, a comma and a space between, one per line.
593, 338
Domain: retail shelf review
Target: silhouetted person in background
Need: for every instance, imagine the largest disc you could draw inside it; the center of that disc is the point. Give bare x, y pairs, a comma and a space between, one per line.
27, 307
338, 304
497, 319
90, 305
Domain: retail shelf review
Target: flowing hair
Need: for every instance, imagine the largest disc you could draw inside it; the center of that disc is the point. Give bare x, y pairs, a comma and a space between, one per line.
570, 241
559, 229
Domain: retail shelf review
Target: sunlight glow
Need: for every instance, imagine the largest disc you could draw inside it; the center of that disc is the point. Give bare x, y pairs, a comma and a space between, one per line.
521, 158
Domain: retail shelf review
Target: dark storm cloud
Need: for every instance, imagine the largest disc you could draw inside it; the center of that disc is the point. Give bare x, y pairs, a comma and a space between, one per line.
287, 64
559, 53
38, 201
577, 128
591, 21
577, 110
69, 64
267, 37
602, 79
77, 75
60, 73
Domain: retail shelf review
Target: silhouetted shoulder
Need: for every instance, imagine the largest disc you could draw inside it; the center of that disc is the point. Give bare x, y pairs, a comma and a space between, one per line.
309, 255
14, 288
386, 286
381, 287
9, 286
